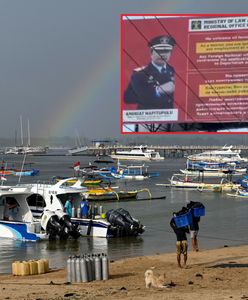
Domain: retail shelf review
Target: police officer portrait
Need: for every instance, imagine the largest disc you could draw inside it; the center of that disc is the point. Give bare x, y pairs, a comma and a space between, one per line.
152, 86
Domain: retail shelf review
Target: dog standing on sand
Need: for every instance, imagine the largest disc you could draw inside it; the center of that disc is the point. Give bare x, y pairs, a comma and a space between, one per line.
152, 280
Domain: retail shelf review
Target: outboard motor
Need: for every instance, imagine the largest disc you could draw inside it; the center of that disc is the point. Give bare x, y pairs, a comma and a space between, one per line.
121, 218
50, 223
65, 221
136, 228
116, 219
127, 216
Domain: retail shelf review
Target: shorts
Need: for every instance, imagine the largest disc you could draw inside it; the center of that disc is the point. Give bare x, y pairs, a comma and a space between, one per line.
193, 234
182, 247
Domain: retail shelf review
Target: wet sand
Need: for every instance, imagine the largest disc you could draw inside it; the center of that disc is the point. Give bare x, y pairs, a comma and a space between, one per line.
210, 274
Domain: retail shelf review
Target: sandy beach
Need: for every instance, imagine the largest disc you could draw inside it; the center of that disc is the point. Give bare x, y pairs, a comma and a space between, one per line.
210, 274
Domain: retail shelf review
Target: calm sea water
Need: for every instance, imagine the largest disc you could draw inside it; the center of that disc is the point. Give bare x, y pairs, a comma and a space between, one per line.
225, 223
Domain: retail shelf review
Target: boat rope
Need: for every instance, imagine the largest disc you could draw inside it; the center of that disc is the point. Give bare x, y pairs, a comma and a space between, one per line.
117, 196
146, 190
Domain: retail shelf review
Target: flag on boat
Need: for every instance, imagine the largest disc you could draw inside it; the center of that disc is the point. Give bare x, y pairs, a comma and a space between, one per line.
3, 178
77, 166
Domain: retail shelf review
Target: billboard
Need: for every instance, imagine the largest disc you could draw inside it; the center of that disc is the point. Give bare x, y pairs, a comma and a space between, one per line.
206, 78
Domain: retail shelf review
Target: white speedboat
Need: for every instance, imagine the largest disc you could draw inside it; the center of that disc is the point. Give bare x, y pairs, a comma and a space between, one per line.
52, 197
138, 153
226, 154
16, 219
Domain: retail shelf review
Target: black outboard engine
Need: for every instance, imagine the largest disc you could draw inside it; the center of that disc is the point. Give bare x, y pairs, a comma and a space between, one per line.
128, 217
116, 219
122, 219
50, 223
65, 221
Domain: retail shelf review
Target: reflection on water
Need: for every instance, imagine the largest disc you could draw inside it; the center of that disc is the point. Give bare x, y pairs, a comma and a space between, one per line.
225, 222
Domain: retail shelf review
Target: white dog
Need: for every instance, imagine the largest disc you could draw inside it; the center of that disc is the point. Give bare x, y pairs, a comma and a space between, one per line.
153, 280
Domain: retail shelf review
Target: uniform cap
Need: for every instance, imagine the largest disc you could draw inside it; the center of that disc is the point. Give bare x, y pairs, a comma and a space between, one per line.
162, 43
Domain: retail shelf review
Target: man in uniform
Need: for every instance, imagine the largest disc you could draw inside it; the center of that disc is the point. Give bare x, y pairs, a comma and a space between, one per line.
152, 86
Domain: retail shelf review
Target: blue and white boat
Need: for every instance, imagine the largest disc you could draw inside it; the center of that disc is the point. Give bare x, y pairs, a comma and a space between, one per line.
52, 198
132, 172
16, 219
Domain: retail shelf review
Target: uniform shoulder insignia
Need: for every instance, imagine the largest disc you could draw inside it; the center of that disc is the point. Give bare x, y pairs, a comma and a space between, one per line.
139, 69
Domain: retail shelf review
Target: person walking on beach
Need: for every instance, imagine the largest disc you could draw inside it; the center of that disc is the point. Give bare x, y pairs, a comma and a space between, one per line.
194, 229
68, 207
181, 244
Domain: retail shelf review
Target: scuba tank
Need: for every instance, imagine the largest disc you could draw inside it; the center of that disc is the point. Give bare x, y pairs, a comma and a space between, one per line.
77, 269
73, 270
105, 267
83, 269
98, 267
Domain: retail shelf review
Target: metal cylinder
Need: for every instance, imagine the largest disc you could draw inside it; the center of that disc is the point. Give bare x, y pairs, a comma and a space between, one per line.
78, 212
73, 269
73, 212
77, 269
95, 210
89, 268
83, 269
105, 267
92, 261
98, 267
69, 269
100, 209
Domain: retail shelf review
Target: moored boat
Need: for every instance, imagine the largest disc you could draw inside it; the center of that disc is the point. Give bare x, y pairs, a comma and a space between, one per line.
226, 154
138, 153
52, 198
132, 172
16, 219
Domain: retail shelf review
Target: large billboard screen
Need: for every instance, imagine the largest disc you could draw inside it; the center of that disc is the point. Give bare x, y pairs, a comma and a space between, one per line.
206, 69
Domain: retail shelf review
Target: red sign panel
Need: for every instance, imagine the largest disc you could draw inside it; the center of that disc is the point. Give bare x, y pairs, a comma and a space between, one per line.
206, 77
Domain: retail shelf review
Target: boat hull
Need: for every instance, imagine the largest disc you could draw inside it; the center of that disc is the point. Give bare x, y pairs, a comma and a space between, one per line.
20, 231
210, 174
111, 196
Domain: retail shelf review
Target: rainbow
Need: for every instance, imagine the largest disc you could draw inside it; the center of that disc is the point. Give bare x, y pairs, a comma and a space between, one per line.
88, 94
78, 105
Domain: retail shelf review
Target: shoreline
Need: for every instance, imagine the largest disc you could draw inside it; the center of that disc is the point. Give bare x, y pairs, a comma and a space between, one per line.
210, 274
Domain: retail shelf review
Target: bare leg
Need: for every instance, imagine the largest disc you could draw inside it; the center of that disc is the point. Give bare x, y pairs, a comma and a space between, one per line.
185, 256
195, 244
179, 260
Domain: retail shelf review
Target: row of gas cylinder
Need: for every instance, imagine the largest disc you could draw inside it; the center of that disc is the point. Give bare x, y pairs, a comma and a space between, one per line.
87, 267
31, 267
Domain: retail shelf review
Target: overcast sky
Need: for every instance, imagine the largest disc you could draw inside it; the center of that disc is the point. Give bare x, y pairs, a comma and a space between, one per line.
60, 62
